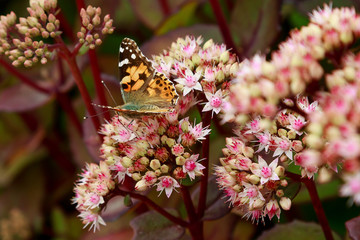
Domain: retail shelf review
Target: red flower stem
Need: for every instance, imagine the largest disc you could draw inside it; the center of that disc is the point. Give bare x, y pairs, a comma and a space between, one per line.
165, 7
23, 77
152, 204
97, 80
65, 103
190, 209
320, 213
80, 4
74, 68
76, 49
225, 31
196, 231
195, 225
206, 119
67, 106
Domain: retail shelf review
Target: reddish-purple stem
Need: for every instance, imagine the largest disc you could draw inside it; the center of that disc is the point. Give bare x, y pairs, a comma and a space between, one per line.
190, 209
67, 106
165, 7
97, 80
76, 49
74, 68
206, 119
152, 204
80, 4
23, 77
320, 213
225, 31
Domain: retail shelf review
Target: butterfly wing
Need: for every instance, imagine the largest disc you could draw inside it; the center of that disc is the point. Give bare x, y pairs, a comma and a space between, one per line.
135, 70
140, 83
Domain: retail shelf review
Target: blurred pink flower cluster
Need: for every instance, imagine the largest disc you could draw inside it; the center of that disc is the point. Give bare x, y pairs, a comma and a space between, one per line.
323, 132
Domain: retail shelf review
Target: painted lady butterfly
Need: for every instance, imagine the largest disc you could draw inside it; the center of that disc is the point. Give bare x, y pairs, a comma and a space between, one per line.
144, 90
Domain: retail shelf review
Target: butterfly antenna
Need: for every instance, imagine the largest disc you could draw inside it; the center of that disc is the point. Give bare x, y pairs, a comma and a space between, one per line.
87, 117
107, 89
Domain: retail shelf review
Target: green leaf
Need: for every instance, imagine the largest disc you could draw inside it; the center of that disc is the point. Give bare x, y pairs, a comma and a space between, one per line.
294, 231
179, 19
292, 189
84, 49
150, 12
127, 201
255, 24
325, 191
58, 220
152, 225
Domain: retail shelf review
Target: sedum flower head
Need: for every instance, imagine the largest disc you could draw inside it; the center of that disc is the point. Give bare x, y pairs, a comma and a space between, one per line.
153, 151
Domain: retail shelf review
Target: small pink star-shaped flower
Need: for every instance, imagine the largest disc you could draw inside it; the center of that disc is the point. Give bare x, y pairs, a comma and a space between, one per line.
264, 171
168, 183
215, 102
190, 81
192, 166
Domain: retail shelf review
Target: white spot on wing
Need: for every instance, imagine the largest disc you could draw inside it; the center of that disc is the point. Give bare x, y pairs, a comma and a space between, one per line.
133, 56
125, 61
121, 49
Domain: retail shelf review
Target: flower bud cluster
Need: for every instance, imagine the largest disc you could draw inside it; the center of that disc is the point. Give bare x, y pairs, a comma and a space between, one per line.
93, 28
255, 189
153, 151
197, 68
17, 40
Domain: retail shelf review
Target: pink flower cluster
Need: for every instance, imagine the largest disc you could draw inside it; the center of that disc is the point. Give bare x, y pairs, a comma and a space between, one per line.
197, 68
254, 187
95, 183
293, 69
153, 151
333, 134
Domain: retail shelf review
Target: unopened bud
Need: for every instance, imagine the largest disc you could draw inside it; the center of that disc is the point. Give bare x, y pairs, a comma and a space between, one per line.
126, 162
141, 185
155, 164
280, 170
279, 193
164, 168
285, 203
180, 160
253, 179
